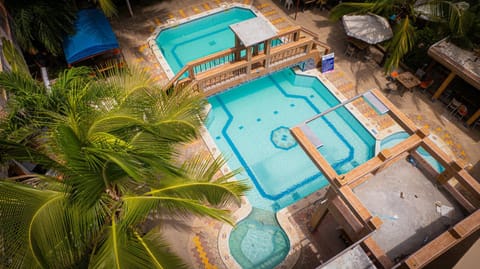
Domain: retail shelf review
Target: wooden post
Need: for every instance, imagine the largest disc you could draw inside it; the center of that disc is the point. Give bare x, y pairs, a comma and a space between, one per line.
237, 49
318, 215
267, 53
474, 117
249, 60
191, 74
444, 85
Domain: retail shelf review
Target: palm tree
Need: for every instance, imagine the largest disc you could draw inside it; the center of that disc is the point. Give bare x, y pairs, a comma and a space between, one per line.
109, 7
403, 15
39, 24
111, 146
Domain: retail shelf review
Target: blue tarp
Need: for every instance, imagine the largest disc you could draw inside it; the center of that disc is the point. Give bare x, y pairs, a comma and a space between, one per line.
93, 36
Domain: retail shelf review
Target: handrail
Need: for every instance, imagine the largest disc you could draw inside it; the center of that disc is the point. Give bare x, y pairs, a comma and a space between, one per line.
177, 76
310, 32
316, 39
291, 40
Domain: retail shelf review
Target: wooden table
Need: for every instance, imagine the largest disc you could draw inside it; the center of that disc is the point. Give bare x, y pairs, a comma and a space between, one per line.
408, 80
361, 45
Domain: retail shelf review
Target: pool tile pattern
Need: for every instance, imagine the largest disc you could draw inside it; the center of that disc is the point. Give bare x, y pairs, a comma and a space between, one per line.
143, 57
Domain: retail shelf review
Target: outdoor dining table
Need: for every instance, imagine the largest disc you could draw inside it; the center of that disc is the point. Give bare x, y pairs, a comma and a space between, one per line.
408, 81
361, 45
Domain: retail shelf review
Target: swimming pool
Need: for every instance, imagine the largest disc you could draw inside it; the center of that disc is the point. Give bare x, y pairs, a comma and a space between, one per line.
258, 241
396, 138
250, 125
201, 37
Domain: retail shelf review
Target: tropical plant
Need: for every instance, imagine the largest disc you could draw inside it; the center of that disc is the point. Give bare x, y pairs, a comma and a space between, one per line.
14, 57
424, 38
403, 16
110, 9
115, 170
41, 24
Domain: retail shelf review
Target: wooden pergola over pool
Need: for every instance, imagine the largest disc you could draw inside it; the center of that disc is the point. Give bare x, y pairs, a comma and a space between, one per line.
460, 62
363, 225
259, 49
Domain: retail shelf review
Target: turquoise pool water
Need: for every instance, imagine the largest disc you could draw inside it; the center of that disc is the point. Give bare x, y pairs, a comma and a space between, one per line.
396, 138
258, 241
201, 37
250, 125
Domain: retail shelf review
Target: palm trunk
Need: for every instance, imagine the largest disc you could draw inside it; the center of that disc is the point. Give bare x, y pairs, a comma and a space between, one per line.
129, 7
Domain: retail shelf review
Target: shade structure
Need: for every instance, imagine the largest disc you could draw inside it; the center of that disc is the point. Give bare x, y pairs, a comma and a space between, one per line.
93, 36
369, 28
253, 31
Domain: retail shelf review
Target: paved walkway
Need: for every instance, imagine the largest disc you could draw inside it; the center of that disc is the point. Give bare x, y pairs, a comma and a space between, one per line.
195, 240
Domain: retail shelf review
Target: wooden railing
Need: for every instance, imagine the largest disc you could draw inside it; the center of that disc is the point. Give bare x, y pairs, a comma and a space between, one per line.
230, 67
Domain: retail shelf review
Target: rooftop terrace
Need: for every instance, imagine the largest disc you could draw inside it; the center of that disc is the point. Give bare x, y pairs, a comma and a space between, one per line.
409, 205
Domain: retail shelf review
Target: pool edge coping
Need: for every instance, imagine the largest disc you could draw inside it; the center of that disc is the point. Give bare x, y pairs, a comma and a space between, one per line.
244, 211
151, 40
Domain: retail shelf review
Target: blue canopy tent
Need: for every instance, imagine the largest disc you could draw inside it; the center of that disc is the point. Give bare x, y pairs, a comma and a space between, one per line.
94, 36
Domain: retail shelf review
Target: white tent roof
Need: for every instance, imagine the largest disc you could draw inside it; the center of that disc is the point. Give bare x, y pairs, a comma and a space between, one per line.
253, 31
370, 28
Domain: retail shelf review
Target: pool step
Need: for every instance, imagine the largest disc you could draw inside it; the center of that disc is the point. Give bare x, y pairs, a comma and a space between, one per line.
311, 136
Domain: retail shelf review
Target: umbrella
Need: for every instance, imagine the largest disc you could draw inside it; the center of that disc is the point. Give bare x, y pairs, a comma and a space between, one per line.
370, 28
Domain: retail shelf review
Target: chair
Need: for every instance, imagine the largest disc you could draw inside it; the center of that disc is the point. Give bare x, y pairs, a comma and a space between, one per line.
461, 112
288, 4
425, 84
476, 123
420, 73
393, 75
350, 50
453, 105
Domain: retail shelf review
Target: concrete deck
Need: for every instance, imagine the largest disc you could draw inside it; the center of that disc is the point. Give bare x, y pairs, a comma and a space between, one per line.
408, 204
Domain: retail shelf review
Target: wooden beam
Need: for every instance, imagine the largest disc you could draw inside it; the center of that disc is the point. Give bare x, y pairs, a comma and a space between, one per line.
385, 156
444, 242
314, 154
474, 117
378, 253
444, 85
345, 217
459, 197
318, 215
355, 205
436, 152
469, 183
405, 122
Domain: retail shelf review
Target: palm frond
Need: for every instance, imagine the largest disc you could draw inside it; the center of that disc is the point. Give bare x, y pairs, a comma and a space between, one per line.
349, 8
19, 152
401, 43
14, 57
107, 6
41, 21
158, 250
137, 208
120, 248
38, 228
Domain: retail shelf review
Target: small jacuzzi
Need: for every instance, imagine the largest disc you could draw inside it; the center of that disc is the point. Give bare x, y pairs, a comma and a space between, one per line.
396, 138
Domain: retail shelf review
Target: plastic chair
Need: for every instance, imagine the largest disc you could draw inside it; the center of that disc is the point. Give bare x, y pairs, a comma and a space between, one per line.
424, 85
462, 111
288, 4
393, 76
453, 105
